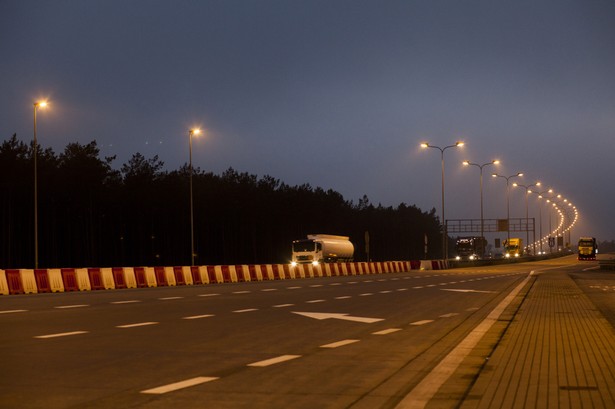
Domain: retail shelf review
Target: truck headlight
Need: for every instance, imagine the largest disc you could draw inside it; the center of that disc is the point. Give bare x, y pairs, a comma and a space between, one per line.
314, 263
293, 264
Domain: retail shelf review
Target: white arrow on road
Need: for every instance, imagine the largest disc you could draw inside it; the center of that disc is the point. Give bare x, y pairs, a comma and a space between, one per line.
460, 290
337, 316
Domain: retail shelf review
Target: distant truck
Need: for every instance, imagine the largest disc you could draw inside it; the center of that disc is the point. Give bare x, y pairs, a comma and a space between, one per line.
513, 247
322, 248
587, 248
470, 248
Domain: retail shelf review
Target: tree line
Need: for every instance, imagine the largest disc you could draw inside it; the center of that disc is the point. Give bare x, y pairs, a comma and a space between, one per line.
93, 215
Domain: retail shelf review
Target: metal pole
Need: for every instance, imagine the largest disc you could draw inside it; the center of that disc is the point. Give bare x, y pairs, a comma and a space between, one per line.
444, 235
191, 207
35, 154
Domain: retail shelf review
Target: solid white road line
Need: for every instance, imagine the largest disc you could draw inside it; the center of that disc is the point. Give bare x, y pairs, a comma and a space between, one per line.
179, 385
273, 361
138, 324
62, 334
340, 343
420, 396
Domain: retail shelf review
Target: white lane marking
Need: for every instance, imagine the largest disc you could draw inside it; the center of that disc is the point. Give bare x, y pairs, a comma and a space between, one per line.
314, 301
386, 331
196, 317
125, 302
208, 295
352, 282
269, 289
12, 311
472, 309
402, 289
273, 361
338, 316
316, 285
283, 305
241, 292
179, 385
417, 287
335, 284
340, 343
343, 297
365, 294
61, 334
292, 288
246, 310
138, 324
61, 307
462, 290
449, 315
420, 396
422, 322
170, 298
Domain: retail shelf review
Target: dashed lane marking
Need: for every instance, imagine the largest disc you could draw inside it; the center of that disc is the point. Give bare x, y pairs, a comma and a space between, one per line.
422, 322
208, 295
12, 311
138, 324
61, 334
386, 331
314, 301
449, 315
196, 317
125, 302
273, 361
170, 298
246, 310
283, 305
340, 343
179, 385
63, 307
343, 297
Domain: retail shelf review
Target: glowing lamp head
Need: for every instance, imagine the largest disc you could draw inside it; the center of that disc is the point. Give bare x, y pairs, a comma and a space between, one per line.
424, 145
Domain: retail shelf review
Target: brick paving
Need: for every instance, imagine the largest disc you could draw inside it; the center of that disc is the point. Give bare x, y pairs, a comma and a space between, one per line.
559, 352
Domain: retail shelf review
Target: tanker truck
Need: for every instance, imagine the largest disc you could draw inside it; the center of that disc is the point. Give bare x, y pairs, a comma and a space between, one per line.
322, 248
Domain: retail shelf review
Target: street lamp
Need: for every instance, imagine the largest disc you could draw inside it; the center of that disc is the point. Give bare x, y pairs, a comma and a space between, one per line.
191, 134
40, 104
427, 145
482, 228
495, 175
527, 219
540, 196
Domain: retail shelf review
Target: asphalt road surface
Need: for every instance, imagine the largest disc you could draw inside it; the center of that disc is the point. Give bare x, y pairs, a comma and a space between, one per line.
339, 342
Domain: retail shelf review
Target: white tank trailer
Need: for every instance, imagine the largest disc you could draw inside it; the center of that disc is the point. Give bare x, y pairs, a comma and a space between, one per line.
322, 248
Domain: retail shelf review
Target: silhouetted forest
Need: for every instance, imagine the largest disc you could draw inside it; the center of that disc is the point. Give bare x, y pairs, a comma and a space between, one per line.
91, 214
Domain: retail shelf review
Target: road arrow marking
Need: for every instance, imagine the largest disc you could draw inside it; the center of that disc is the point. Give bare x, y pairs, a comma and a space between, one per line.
460, 290
337, 316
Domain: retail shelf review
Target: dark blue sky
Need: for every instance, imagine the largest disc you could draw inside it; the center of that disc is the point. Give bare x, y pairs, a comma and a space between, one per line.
338, 94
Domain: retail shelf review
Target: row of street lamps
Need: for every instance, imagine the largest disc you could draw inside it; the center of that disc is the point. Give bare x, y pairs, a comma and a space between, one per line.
495, 175
44, 104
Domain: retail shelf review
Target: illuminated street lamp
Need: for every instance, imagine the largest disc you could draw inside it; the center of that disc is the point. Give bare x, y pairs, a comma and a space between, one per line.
192, 133
540, 196
527, 219
495, 175
468, 163
40, 104
427, 145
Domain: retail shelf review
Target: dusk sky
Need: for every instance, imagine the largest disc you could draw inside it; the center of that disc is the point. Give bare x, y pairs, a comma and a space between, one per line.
337, 94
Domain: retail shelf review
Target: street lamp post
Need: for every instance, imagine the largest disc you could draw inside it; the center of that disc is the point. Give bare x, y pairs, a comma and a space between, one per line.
191, 133
41, 104
527, 219
495, 175
540, 196
427, 145
482, 225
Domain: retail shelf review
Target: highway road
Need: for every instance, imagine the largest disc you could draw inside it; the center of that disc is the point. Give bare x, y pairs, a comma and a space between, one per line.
339, 342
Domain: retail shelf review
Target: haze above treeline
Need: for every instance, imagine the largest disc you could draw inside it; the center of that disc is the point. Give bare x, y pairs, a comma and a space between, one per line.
91, 214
